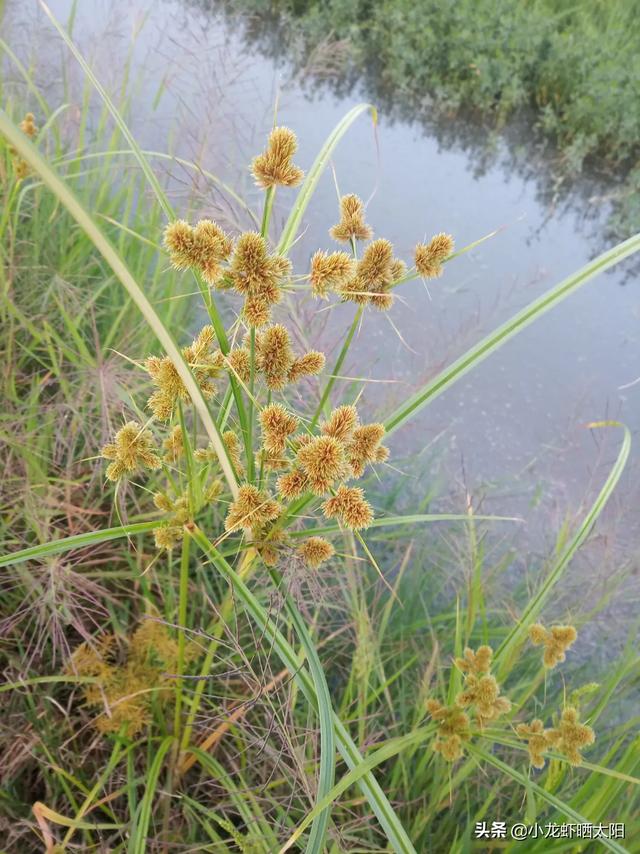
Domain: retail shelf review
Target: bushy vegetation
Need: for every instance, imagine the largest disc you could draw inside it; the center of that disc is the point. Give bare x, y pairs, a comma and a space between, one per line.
212, 638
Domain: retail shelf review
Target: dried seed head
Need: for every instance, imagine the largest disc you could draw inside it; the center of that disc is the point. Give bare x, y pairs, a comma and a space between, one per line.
28, 125
256, 311
310, 364
132, 449
180, 241
315, 551
203, 248
204, 364
234, 451
323, 461
429, 256
269, 543
330, 271
556, 641
352, 225
167, 536
277, 425
274, 356
364, 445
376, 264
240, 363
349, 505
570, 736
453, 729
293, 484
483, 692
477, 662
253, 507
274, 166
341, 424
538, 740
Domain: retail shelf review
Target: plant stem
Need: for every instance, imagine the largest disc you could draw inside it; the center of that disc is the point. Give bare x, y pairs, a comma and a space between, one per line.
336, 367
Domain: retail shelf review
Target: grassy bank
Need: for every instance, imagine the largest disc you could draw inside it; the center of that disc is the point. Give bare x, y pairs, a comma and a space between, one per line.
198, 655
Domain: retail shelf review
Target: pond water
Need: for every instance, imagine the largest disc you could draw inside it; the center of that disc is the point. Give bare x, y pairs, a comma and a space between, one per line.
514, 428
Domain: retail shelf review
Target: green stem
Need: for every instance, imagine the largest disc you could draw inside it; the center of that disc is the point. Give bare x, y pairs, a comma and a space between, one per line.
183, 598
337, 366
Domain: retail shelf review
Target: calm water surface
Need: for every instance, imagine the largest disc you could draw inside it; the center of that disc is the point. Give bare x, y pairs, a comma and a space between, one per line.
514, 427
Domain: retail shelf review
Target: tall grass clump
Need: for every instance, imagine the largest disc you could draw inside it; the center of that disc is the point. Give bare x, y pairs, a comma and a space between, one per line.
205, 649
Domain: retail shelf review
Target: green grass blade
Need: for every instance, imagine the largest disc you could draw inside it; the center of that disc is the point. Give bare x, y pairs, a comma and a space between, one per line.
327, 772
551, 799
140, 829
77, 541
503, 333
376, 798
68, 199
310, 183
391, 748
393, 521
509, 647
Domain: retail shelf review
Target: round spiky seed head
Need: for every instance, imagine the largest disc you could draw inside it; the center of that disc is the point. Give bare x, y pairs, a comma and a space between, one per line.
293, 484
329, 271
239, 361
252, 507
341, 423
168, 536
274, 166
315, 551
352, 225
310, 364
180, 241
429, 256
256, 310
132, 449
323, 461
277, 425
349, 505
274, 356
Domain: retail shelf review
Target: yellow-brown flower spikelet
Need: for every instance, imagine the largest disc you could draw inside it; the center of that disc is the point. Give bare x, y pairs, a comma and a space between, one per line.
204, 364
277, 425
315, 551
28, 125
570, 736
483, 693
323, 461
538, 740
364, 446
174, 444
257, 275
453, 729
274, 167
234, 450
167, 536
309, 364
274, 356
429, 256
293, 484
253, 507
352, 225
132, 449
204, 247
125, 692
341, 423
477, 662
269, 544
350, 506
556, 641
240, 363
329, 271
375, 275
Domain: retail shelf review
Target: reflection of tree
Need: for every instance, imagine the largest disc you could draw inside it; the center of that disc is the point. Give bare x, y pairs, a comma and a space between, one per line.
319, 61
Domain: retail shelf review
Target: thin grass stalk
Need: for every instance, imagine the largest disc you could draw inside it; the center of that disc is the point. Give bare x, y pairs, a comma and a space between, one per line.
336, 368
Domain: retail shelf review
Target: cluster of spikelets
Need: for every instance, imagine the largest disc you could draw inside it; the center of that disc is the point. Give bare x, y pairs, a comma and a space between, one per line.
133, 448
556, 641
28, 127
569, 737
275, 359
481, 693
370, 280
122, 693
